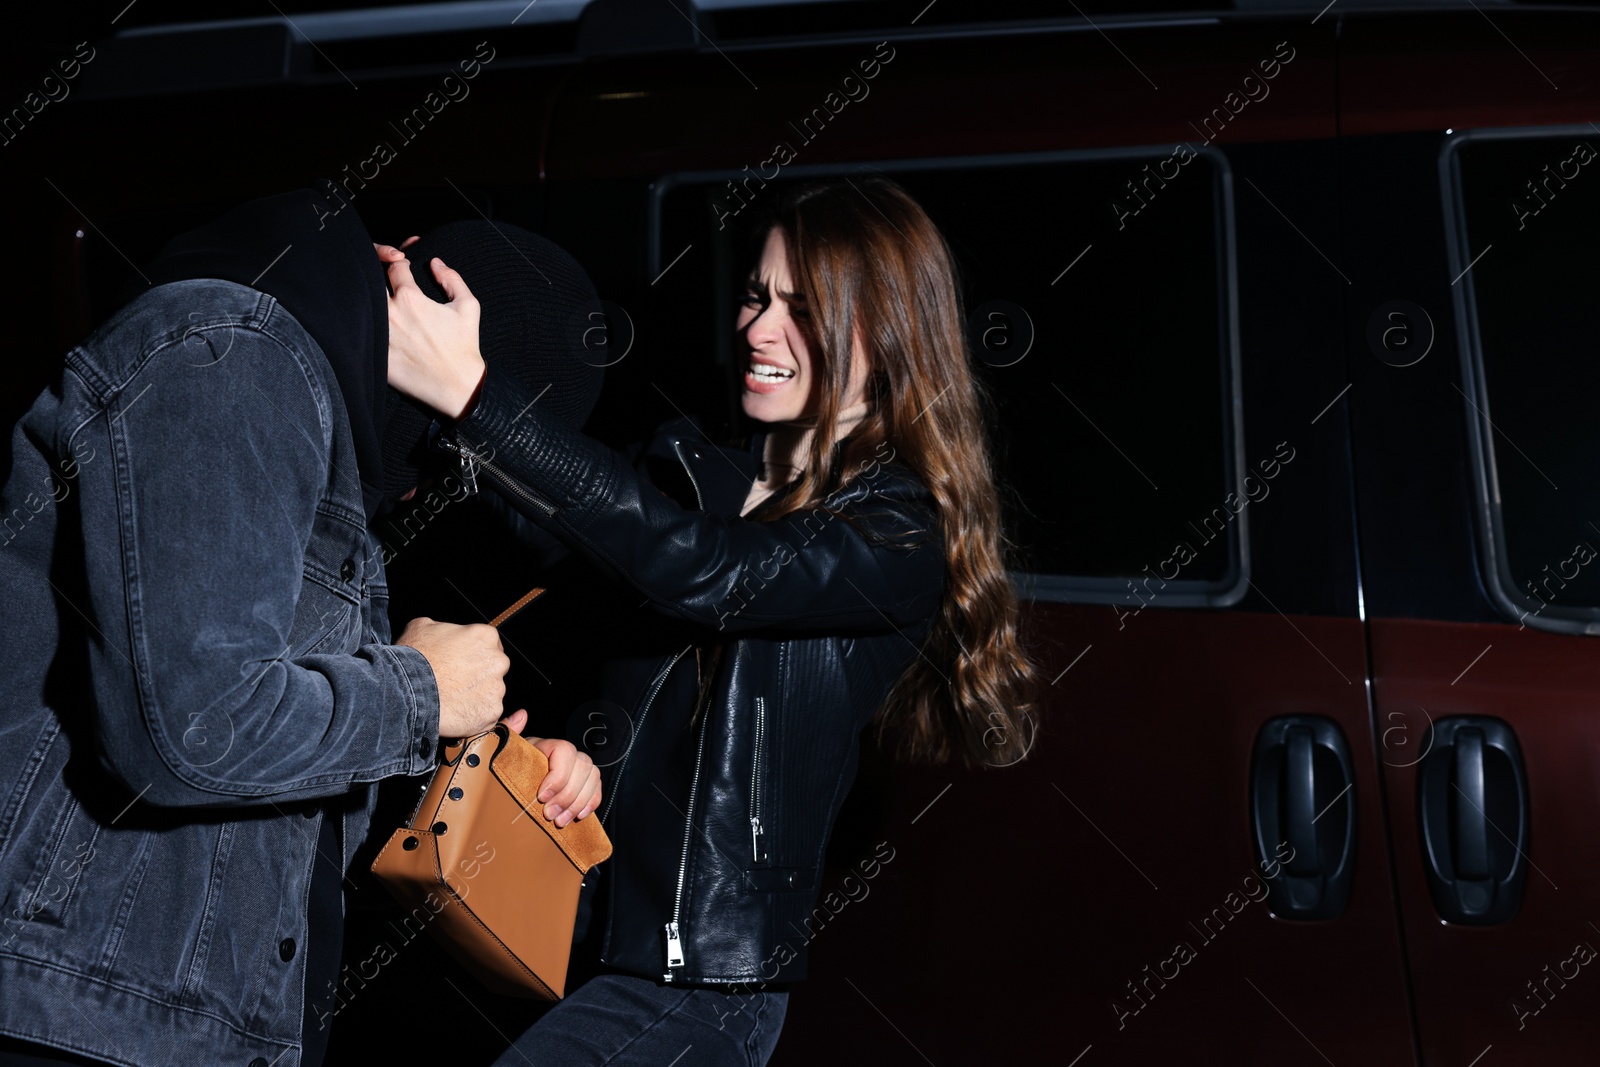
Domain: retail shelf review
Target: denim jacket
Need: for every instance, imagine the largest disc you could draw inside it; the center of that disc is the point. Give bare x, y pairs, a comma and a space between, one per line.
196, 672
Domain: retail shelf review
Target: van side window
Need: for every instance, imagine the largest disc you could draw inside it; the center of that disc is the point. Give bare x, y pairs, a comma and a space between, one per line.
1098, 300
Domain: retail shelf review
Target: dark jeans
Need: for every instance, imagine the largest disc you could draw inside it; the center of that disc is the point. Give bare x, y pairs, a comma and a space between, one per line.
618, 1020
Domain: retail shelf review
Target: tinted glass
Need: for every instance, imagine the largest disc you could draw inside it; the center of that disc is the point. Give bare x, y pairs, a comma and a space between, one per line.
1532, 209
1097, 318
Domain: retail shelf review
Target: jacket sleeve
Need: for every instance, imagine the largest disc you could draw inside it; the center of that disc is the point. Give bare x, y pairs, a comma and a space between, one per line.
194, 536
872, 567
545, 549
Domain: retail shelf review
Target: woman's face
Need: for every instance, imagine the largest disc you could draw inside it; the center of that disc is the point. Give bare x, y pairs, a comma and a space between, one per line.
779, 383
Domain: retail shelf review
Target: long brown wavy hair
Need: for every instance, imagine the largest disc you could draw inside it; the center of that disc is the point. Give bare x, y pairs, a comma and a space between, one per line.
868, 262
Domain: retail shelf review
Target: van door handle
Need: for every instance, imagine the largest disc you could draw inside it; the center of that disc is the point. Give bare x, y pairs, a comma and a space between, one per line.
1473, 797
1471, 825
1300, 800
1303, 798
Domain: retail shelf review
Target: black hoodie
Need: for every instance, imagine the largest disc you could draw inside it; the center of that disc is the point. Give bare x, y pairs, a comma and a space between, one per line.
313, 253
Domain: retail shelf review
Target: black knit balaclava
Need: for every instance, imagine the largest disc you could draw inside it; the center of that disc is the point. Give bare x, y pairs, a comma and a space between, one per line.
541, 322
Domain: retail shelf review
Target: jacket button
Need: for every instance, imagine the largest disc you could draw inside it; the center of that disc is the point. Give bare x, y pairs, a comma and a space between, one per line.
790, 879
259, 1062
310, 813
286, 949
347, 570
425, 747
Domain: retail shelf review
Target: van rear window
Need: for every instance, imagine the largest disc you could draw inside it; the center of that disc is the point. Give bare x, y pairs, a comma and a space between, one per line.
1527, 216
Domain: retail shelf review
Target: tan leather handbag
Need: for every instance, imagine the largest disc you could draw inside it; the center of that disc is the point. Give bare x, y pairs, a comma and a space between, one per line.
482, 868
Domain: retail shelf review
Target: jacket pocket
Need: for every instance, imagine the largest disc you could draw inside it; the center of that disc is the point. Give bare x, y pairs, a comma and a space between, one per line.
325, 616
758, 785
328, 610
330, 632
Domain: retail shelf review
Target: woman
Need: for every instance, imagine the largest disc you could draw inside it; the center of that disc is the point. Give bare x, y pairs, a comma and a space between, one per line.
842, 568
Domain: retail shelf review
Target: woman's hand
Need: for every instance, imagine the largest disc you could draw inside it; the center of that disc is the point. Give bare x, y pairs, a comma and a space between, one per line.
389, 253
571, 790
433, 347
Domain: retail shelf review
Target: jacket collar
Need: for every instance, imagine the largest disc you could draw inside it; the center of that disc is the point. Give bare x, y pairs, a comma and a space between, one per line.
721, 476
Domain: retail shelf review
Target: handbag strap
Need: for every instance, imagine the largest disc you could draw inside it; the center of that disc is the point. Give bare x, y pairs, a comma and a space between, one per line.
523, 601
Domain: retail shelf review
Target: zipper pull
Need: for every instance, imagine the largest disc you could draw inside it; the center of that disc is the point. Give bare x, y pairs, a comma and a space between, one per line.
674, 946
466, 464
758, 850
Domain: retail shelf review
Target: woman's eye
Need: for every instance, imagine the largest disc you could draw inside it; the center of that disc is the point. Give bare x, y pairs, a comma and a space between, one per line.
751, 299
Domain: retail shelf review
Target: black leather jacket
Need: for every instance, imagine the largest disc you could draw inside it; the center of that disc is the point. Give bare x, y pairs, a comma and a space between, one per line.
721, 808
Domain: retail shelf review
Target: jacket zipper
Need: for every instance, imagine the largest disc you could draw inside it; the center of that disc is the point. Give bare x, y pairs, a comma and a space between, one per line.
471, 461
655, 687
758, 847
673, 929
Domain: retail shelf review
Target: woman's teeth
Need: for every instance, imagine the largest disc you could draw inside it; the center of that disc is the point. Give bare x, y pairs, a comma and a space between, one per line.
764, 373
